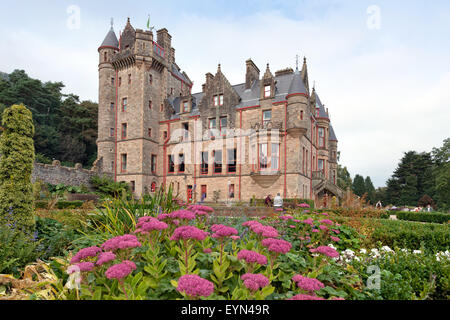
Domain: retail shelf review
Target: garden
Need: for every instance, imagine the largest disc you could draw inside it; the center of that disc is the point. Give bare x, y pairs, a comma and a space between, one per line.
159, 248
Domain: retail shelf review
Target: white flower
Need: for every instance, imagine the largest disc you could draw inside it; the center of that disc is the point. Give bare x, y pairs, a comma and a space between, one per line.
331, 246
363, 251
417, 252
405, 250
387, 249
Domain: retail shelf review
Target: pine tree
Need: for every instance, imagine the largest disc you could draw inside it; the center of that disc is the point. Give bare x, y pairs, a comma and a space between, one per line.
370, 190
16, 166
358, 186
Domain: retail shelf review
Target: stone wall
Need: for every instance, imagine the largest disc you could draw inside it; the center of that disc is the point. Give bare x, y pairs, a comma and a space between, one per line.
56, 174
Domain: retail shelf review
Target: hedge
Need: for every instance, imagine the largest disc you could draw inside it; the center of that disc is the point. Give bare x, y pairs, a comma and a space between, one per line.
434, 217
287, 203
60, 205
412, 235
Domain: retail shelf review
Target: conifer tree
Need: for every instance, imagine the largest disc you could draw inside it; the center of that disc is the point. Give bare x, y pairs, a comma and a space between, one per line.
16, 166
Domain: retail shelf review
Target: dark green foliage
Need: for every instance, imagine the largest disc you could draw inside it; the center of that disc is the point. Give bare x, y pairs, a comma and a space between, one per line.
16, 165
358, 186
16, 250
106, 186
406, 276
433, 217
66, 129
412, 235
344, 180
370, 190
441, 175
60, 204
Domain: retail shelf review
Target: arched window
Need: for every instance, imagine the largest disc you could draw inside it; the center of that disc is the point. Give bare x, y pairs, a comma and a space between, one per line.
106, 57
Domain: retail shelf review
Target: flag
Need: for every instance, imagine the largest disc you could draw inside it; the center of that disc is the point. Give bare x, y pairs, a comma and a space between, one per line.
148, 22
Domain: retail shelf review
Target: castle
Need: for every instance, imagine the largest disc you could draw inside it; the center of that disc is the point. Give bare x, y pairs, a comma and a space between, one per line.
268, 135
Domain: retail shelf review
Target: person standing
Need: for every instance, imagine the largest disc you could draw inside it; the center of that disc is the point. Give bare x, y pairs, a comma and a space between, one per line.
268, 201
278, 202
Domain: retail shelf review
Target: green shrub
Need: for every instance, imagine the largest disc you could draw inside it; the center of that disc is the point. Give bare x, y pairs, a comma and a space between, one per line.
412, 235
16, 250
106, 186
434, 217
407, 276
16, 165
60, 204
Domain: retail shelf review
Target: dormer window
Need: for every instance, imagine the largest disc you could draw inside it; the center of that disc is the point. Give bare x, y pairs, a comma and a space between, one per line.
185, 106
267, 91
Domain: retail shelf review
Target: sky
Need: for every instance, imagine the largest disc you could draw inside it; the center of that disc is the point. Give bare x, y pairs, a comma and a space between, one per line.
381, 67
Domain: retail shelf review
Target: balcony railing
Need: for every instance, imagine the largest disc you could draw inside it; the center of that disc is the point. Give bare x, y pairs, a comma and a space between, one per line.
318, 175
159, 50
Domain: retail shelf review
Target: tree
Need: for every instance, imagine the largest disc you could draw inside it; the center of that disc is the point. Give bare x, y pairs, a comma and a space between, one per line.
441, 175
358, 186
425, 201
16, 165
370, 190
344, 180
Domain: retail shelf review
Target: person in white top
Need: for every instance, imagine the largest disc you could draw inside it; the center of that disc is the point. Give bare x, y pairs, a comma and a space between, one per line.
278, 202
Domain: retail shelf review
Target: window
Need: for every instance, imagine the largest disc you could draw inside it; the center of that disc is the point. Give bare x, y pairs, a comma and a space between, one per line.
218, 161
267, 91
124, 104
231, 191
321, 165
303, 160
212, 126
149, 132
150, 105
129, 79
165, 134
204, 193
218, 100
111, 132
275, 162
223, 126
106, 57
253, 157
185, 131
133, 186
267, 116
124, 162
301, 115
153, 164
204, 165
120, 81
124, 130
231, 160
112, 105
153, 187
112, 165
150, 79
263, 161
171, 164
113, 81
321, 137
185, 106
317, 112
181, 165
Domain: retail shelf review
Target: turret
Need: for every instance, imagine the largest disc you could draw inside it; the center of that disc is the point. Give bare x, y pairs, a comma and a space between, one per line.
107, 100
297, 106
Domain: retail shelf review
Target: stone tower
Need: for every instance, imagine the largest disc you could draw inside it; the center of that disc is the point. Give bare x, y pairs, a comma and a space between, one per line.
137, 76
107, 101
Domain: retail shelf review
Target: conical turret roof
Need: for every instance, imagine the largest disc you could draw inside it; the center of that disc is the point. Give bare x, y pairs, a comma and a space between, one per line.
297, 85
110, 40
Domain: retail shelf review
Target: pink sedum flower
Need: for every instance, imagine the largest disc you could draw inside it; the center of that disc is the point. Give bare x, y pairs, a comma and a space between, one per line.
325, 250
121, 270
277, 245
105, 257
189, 232
309, 221
85, 253
207, 250
221, 231
252, 257
335, 239
254, 282
308, 284
336, 231
303, 205
127, 241
305, 297
183, 215
327, 221
81, 267
235, 238
195, 286
265, 231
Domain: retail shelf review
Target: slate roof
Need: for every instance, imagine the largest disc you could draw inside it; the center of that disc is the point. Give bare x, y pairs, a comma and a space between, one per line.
110, 40
297, 85
177, 72
332, 134
322, 112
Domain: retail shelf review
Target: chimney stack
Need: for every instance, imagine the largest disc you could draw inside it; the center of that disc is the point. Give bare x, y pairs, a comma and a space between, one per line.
252, 73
